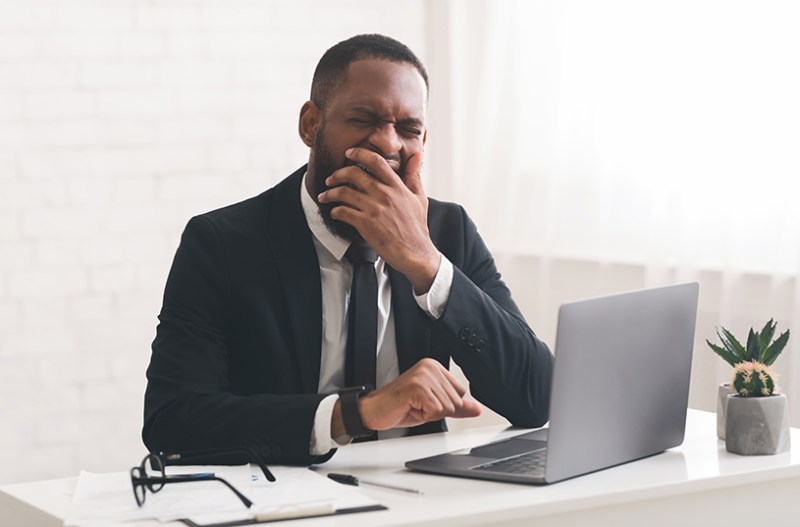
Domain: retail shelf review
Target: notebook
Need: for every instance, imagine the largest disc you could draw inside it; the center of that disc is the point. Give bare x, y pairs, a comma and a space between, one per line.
619, 393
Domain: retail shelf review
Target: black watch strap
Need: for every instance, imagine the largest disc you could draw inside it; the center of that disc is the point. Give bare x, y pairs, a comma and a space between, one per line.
348, 397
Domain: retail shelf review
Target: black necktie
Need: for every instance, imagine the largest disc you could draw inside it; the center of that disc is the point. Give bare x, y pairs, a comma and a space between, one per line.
362, 317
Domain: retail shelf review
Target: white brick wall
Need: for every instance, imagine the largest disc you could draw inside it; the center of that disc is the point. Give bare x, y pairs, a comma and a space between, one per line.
118, 120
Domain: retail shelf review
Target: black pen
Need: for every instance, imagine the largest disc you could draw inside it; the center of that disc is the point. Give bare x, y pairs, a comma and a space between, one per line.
347, 479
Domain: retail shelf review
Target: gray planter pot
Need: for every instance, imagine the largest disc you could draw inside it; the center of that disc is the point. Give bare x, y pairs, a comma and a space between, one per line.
757, 425
723, 391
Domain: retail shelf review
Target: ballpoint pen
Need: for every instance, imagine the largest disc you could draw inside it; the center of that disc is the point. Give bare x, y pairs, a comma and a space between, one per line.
347, 479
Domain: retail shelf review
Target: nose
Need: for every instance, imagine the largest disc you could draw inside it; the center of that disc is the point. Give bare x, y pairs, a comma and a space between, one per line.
384, 138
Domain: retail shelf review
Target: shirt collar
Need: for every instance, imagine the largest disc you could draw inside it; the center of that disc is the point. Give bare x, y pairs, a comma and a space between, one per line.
336, 245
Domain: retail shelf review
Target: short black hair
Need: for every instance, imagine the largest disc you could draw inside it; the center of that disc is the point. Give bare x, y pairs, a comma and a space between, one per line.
333, 65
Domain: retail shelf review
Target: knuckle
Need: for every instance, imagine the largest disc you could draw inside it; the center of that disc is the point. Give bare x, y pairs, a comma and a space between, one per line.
436, 408
427, 361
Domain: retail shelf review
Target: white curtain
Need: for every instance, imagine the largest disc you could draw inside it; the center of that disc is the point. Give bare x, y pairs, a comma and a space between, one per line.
609, 145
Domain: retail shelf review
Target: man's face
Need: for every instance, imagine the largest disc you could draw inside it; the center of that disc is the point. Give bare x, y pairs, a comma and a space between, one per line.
380, 106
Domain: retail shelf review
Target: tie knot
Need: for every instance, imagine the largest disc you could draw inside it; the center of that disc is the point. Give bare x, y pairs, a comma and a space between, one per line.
360, 252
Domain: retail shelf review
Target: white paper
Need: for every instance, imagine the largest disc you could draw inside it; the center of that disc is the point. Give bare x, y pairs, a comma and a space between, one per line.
303, 486
103, 498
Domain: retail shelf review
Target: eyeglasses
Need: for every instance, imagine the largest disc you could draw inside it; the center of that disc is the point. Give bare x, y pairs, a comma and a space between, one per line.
151, 474
154, 478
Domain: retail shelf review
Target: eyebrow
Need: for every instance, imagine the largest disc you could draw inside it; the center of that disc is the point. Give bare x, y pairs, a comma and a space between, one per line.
414, 121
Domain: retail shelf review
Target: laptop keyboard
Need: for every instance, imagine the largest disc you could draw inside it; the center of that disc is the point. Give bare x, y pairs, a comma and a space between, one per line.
528, 463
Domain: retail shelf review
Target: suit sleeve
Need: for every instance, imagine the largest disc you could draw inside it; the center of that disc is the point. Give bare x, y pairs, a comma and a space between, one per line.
509, 368
188, 401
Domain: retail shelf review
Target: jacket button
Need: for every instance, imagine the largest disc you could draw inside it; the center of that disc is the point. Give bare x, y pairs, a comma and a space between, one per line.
480, 345
464, 334
473, 339
276, 451
265, 452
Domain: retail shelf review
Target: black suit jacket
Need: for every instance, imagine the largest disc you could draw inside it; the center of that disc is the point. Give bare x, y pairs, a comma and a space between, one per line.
237, 353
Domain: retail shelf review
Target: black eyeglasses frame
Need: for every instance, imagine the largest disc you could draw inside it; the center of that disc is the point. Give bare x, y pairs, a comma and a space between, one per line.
141, 481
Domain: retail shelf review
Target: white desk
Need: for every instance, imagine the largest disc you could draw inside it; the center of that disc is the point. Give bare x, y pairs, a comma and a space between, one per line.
698, 483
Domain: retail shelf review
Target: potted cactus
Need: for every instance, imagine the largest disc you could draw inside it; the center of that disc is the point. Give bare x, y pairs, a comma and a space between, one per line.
759, 348
756, 417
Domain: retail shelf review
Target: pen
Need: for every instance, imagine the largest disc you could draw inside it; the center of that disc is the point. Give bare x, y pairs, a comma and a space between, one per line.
347, 479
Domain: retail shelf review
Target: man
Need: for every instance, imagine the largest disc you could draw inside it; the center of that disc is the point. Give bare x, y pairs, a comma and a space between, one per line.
257, 333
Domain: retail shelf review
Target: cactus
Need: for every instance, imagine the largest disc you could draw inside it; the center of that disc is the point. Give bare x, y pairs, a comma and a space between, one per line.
753, 379
760, 346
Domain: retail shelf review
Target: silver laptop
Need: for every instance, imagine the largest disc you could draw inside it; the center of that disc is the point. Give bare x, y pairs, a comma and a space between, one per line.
620, 392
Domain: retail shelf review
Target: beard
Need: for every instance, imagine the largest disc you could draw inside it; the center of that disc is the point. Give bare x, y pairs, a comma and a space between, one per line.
324, 164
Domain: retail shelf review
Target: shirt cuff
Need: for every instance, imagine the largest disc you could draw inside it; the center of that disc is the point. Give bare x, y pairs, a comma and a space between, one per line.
321, 440
435, 300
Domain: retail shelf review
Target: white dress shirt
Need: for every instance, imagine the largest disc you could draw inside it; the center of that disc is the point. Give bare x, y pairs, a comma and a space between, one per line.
336, 275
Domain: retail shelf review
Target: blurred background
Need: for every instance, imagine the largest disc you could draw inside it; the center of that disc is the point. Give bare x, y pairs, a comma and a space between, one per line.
599, 146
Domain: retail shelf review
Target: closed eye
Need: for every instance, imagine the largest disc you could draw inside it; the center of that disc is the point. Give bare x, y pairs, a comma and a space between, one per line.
412, 131
359, 120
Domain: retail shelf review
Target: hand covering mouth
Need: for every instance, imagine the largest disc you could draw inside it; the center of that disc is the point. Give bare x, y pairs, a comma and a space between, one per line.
393, 164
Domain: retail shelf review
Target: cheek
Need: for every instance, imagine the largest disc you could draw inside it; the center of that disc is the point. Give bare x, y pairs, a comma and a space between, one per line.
411, 148
346, 137
414, 146
338, 138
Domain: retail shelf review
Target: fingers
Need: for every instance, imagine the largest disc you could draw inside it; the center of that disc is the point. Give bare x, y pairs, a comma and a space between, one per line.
350, 186
345, 195
377, 165
384, 170
371, 166
426, 392
413, 173
352, 176
440, 394
470, 408
442, 400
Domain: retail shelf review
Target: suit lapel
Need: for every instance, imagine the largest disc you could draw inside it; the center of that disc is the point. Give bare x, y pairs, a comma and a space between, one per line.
298, 267
412, 334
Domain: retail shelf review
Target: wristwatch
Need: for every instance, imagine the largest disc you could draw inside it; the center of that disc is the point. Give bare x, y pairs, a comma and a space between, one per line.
348, 397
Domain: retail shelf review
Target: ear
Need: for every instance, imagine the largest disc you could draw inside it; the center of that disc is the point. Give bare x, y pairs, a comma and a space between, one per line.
310, 120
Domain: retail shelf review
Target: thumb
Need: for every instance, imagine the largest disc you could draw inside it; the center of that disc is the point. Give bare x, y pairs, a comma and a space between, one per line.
412, 175
471, 408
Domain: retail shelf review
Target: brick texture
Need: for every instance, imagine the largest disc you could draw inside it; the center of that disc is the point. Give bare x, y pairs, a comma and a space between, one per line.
118, 120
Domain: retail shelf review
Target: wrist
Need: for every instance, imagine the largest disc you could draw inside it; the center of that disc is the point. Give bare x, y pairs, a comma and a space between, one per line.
424, 273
